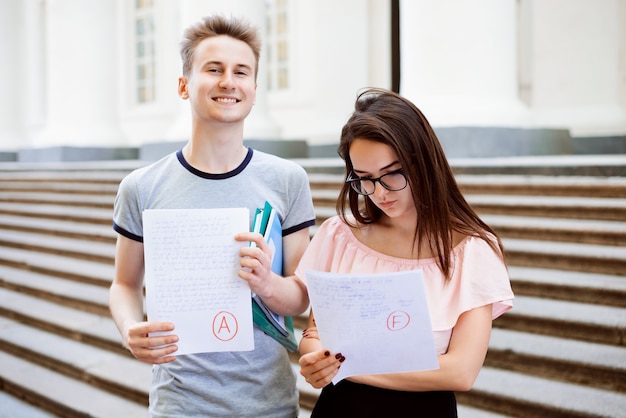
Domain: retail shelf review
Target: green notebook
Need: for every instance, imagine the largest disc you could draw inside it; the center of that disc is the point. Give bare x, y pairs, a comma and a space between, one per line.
267, 223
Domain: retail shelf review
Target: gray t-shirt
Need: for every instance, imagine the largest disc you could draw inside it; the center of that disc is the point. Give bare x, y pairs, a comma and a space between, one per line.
257, 383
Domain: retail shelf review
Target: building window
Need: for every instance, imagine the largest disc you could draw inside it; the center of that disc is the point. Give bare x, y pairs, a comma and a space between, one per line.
144, 30
277, 38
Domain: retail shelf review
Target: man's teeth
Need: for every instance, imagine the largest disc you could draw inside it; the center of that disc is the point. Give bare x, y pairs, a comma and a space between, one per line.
225, 100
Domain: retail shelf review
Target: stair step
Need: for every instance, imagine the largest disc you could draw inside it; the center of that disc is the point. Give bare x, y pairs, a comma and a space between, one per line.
77, 214
91, 201
92, 232
13, 407
611, 233
93, 272
574, 286
586, 322
323, 212
73, 294
544, 165
581, 362
100, 367
603, 259
92, 188
62, 395
582, 186
104, 172
93, 329
520, 395
469, 412
325, 195
87, 250
550, 206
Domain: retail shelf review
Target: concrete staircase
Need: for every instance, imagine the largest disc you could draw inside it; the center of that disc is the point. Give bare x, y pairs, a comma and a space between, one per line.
561, 352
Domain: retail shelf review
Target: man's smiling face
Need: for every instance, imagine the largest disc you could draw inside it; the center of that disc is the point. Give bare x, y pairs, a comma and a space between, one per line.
221, 85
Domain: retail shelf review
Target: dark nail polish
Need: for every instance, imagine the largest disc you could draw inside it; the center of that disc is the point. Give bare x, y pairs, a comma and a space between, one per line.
326, 353
338, 356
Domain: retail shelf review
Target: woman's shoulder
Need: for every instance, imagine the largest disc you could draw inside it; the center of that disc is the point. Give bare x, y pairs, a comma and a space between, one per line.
340, 225
487, 247
339, 233
333, 225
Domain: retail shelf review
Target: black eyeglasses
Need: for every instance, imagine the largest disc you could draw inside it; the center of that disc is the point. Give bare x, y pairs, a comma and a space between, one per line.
394, 181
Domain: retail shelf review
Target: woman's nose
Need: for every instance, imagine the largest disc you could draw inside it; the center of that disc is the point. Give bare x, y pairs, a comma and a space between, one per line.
379, 190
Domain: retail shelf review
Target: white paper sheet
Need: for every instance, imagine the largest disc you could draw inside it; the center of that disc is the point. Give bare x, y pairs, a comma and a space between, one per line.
191, 260
379, 322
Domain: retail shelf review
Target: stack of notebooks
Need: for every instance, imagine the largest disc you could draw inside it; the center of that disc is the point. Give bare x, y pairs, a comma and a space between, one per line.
267, 223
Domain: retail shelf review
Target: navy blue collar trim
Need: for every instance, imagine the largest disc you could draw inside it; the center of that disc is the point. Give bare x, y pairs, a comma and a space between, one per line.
195, 171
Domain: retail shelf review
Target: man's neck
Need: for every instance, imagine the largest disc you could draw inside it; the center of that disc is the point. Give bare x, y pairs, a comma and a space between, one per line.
216, 151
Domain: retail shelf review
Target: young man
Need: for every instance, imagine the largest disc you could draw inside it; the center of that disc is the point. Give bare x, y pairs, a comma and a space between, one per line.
215, 170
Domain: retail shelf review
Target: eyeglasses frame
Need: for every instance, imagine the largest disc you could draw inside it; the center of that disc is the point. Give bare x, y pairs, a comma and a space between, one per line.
353, 181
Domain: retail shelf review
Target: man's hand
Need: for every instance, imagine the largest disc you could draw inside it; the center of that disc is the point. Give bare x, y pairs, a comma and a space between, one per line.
151, 349
256, 262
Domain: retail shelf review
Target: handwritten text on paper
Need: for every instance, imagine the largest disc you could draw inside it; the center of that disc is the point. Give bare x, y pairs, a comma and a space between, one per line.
191, 262
379, 322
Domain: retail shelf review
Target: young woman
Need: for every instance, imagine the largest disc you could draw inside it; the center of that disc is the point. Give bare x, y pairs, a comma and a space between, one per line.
406, 212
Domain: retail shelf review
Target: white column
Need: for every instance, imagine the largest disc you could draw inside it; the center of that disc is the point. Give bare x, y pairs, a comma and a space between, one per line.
82, 74
12, 81
33, 106
259, 124
576, 77
459, 63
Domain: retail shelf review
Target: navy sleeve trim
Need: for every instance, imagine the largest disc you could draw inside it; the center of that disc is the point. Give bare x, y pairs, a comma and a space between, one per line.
127, 234
298, 227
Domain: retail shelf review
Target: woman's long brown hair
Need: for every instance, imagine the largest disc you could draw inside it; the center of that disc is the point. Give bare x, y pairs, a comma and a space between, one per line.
391, 119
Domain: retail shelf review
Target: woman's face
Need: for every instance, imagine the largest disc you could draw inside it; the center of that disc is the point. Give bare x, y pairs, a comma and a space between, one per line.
372, 159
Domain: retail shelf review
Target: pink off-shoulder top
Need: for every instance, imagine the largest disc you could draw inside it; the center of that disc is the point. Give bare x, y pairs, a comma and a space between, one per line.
479, 275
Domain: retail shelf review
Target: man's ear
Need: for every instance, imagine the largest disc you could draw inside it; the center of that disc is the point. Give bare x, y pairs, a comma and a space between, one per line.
182, 88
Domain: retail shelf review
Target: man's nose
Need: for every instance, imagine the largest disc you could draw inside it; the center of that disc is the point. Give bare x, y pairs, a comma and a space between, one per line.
226, 80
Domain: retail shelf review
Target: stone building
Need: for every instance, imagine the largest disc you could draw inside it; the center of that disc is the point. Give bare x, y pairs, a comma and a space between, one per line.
97, 78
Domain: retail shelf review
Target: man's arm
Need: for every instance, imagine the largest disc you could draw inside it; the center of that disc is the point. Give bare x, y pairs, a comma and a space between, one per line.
126, 304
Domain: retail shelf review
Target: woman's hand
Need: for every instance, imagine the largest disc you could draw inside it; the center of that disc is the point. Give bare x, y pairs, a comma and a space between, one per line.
319, 367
